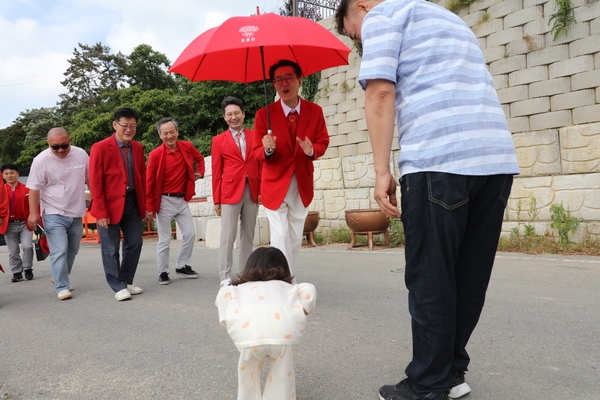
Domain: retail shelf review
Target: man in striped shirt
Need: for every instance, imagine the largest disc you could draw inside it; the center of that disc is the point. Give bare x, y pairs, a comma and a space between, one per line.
422, 68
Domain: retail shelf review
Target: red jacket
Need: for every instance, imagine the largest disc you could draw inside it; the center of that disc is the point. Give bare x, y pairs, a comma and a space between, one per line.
21, 194
108, 182
289, 158
230, 169
4, 210
156, 172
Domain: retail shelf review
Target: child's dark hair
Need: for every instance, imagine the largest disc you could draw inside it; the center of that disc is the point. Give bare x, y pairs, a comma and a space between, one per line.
265, 264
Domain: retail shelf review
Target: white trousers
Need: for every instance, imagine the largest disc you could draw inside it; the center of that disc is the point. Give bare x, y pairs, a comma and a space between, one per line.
245, 211
287, 224
174, 208
281, 379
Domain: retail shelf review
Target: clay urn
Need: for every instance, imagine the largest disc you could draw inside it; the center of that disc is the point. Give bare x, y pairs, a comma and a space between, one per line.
367, 220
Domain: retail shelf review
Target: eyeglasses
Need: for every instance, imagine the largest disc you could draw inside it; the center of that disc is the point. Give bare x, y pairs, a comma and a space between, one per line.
124, 126
63, 146
233, 114
287, 78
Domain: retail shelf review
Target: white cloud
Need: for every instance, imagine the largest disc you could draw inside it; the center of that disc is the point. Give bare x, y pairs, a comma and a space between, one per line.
38, 38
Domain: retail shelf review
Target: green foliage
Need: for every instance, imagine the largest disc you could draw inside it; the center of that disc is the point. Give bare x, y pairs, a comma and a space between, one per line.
456, 5
147, 69
98, 82
310, 86
396, 233
563, 18
564, 223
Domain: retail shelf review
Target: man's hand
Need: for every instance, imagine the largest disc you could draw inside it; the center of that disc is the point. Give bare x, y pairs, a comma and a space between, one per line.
150, 215
218, 209
103, 222
33, 220
306, 146
198, 176
385, 194
269, 141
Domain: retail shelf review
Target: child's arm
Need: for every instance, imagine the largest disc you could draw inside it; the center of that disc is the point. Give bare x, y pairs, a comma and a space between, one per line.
307, 294
222, 302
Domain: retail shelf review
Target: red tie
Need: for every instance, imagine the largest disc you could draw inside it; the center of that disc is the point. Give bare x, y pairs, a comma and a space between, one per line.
238, 140
126, 162
293, 119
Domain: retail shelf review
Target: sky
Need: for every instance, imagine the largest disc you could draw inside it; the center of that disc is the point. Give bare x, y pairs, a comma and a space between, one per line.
37, 38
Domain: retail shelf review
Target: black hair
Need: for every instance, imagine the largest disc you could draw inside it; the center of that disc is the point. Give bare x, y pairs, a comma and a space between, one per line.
229, 100
9, 166
285, 63
339, 16
125, 112
265, 264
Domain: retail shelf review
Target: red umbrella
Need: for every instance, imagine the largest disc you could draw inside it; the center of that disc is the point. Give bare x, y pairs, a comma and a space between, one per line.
243, 47
234, 50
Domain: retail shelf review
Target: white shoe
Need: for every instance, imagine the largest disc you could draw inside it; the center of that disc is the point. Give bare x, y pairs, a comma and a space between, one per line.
122, 295
70, 287
226, 282
64, 294
134, 289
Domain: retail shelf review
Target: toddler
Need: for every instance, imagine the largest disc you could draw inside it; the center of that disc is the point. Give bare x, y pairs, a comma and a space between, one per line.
265, 316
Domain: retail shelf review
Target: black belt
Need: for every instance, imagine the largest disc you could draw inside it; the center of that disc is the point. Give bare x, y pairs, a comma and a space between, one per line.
174, 194
17, 220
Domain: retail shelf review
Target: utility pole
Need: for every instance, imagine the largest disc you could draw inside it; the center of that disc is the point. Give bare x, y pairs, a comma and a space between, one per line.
295, 8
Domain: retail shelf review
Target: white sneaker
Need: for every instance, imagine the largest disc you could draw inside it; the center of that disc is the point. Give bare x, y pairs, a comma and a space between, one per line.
226, 282
64, 294
134, 289
122, 295
70, 287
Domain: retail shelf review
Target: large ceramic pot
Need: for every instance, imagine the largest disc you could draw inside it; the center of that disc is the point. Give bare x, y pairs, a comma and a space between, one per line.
310, 224
367, 220
371, 221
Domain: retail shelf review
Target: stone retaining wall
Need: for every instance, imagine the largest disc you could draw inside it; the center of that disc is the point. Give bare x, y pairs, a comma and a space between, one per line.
550, 93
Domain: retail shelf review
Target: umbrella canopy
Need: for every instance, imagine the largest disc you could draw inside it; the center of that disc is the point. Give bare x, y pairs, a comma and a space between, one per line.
243, 48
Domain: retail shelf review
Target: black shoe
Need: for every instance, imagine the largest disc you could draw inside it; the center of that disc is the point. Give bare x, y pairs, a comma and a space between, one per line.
163, 278
29, 274
402, 391
459, 387
187, 271
17, 277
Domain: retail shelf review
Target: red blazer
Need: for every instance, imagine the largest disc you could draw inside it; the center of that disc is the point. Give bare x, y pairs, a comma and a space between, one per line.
108, 182
277, 169
156, 172
4, 209
22, 194
229, 169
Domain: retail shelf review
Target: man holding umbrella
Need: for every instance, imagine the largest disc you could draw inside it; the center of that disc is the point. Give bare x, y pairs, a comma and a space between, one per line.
299, 137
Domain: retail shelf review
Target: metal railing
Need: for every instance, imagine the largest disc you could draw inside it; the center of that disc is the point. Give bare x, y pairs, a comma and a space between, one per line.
314, 9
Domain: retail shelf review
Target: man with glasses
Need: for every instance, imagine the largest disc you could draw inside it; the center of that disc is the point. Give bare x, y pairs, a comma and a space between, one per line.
235, 185
118, 188
56, 181
173, 169
14, 228
299, 136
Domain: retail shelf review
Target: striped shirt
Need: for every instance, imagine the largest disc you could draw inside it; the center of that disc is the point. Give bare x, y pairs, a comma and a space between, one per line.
448, 114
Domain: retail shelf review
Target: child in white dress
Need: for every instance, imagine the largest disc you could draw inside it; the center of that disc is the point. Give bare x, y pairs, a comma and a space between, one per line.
265, 316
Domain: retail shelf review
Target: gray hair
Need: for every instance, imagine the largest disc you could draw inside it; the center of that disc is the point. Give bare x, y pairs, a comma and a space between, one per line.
163, 121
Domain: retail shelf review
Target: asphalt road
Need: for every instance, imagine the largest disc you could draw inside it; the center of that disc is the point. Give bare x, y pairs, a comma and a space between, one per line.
538, 338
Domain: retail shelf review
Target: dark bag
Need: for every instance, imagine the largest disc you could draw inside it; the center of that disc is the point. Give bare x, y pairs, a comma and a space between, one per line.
41, 244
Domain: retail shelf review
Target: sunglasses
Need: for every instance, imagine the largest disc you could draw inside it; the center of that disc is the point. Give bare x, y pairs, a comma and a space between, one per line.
63, 146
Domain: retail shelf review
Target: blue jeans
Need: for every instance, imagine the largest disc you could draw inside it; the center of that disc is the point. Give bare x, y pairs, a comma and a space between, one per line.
120, 273
64, 236
452, 225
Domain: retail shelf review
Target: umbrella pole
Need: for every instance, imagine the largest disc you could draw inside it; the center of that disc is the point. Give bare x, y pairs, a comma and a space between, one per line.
262, 59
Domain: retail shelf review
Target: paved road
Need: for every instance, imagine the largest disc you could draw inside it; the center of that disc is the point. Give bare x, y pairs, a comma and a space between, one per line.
539, 336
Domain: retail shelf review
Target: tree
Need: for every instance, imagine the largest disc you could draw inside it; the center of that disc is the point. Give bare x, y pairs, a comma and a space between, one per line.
147, 69
93, 71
